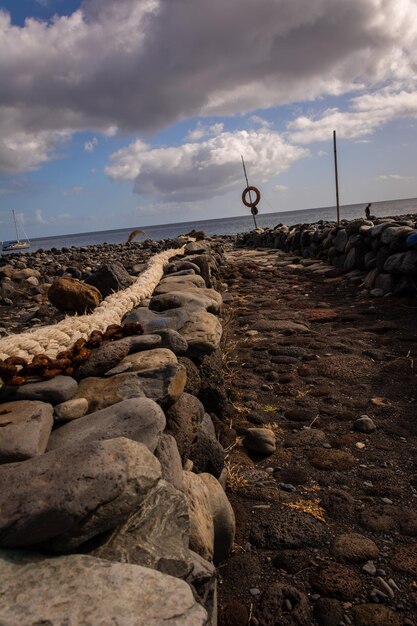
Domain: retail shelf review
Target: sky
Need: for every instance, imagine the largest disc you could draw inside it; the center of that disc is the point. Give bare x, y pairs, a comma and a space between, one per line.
127, 113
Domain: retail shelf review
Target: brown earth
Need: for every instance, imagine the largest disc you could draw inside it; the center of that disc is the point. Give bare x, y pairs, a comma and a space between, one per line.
306, 356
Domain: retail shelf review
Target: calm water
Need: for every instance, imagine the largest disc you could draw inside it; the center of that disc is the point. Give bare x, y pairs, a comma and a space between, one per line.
228, 225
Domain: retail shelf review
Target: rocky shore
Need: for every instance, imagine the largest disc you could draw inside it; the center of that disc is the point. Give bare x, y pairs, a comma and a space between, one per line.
240, 450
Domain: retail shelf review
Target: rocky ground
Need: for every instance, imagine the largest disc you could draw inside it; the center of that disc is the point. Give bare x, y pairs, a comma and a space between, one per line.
325, 488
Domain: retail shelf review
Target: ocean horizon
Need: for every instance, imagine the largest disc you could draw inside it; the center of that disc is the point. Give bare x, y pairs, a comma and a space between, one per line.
224, 226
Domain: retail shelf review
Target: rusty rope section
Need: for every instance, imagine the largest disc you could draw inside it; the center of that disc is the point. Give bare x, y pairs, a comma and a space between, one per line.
51, 340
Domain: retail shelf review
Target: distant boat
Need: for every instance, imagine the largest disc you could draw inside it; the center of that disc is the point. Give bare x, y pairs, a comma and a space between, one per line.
17, 244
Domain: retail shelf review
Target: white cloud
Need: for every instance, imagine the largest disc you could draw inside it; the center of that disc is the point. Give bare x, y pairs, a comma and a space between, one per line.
202, 130
194, 171
367, 113
322, 153
391, 177
39, 218
281, 188
91, 144
260, 121
139, 66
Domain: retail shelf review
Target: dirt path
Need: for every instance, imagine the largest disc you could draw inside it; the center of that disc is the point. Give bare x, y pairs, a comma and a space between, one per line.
327, 524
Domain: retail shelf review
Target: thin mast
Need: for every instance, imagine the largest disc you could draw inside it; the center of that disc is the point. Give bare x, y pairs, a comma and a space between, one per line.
15, 226
336, 177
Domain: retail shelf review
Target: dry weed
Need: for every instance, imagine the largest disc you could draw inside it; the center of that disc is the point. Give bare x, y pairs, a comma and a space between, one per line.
311, 507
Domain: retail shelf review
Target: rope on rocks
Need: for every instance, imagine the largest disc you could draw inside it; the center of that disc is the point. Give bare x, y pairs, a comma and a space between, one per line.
51, 340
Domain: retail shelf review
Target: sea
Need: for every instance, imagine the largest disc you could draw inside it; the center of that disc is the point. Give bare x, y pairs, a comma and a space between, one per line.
226, 225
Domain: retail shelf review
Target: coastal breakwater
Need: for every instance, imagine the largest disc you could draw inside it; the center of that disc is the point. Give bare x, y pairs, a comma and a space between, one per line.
112, 501
382, 251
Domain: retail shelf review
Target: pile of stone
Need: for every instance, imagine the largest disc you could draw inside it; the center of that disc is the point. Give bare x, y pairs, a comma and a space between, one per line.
112, 502
383, 251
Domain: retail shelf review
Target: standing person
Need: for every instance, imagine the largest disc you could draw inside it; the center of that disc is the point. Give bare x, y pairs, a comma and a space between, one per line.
368, 211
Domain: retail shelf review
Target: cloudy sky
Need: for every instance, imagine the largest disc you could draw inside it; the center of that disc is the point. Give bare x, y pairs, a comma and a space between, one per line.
119, 113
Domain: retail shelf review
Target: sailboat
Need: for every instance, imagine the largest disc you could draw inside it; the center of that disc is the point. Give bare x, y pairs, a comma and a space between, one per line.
17, 244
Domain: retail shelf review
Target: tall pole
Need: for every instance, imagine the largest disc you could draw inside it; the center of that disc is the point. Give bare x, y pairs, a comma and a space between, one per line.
336, 177
247, 185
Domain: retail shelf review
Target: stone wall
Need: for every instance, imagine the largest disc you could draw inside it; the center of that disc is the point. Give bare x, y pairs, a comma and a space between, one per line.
384, 250
112, 502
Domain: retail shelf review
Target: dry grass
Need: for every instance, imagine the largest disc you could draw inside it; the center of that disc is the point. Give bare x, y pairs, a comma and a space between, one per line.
235, 477
270, 408
276, 428
311, 507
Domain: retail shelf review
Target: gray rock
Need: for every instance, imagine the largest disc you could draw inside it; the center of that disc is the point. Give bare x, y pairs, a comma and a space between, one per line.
193, 280
203, 332
350, 261
25, 427
183, 419
370, 278
201, 517
341, 240
197, 247
71, 410
402, 263
165, 384
192, 299
149, 359
177, 266
394, 235
81, 589
54, 391
223, 518
261, 440
169, 457
110, 278
384, 282
206, 452
64, 497
153, 322
145, 342
140, 419
104, 358
103, 392
203, 580
156, 536
364, 424
172, 340
206, 263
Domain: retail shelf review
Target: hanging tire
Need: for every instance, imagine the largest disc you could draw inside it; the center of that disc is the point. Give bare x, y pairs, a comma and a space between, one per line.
257, 199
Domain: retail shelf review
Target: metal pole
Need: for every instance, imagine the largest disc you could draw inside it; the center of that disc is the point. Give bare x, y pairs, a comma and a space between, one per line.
247, 184
336, 177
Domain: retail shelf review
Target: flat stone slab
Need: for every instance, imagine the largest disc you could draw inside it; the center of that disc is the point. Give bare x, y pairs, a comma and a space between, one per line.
192, 279
80, 589
203, 332
103, 392
65, 497
25, 427
192, 299
54, 391
149, 360
152, 322
140, 419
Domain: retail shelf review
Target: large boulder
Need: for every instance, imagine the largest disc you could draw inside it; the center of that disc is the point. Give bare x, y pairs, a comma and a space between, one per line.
68, 294
206, 452
81, 589
65, 497
203, 332
223, 518
25, 429
140, 419
110, 278
104, 358
156, 536
201, 518
190, 298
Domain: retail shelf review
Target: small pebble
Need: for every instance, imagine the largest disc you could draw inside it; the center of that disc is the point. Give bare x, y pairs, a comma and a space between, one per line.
327, 445
369, 568
315, 597
254, 591
288, 604
386, 500
287, 487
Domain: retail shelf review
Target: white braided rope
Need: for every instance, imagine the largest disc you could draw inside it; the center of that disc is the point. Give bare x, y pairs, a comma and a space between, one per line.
51, 340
